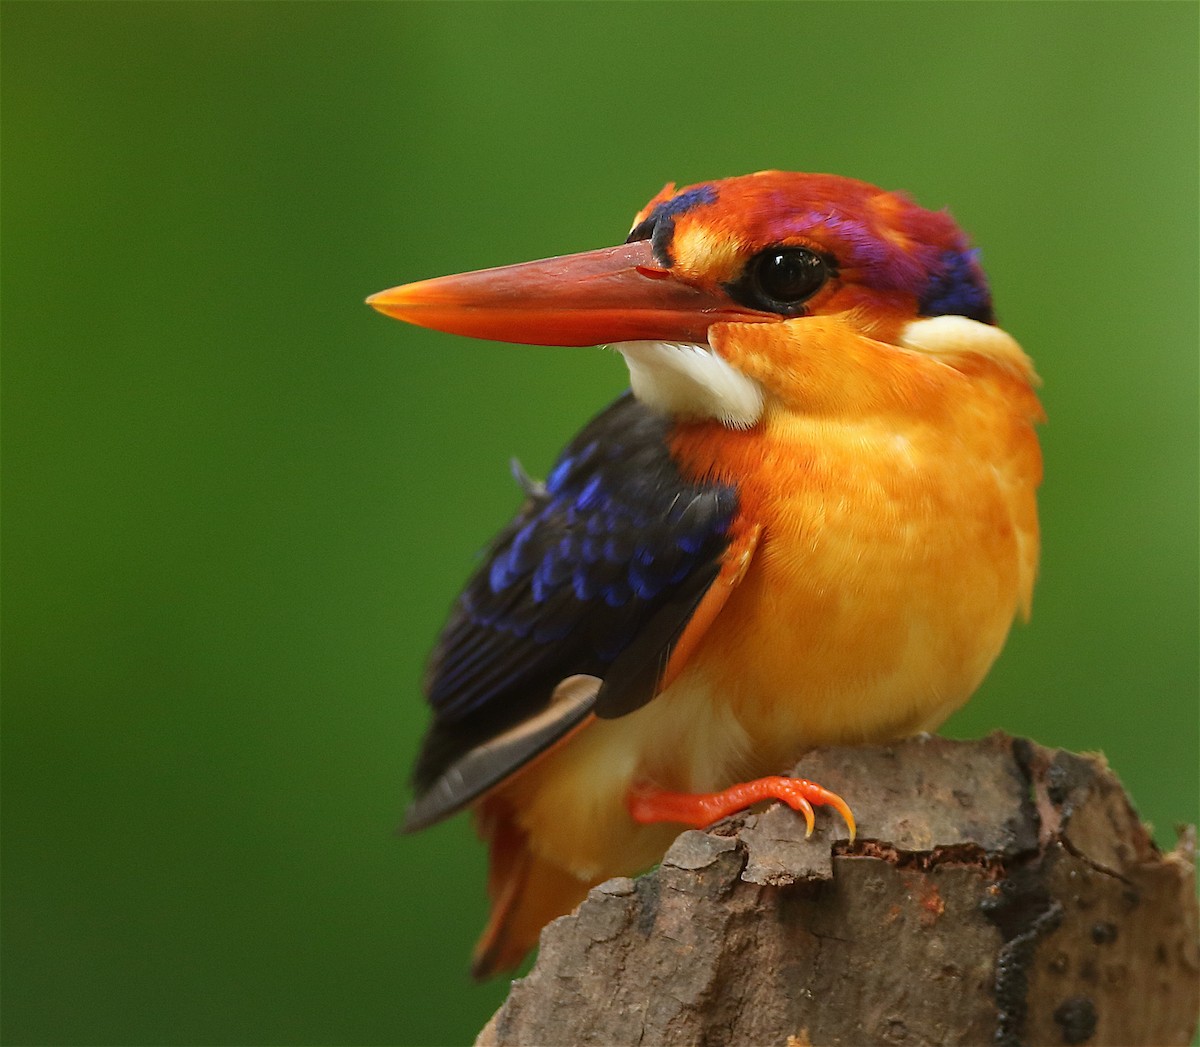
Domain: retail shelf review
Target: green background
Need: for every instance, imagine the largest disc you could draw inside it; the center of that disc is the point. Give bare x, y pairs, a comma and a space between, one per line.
239, 502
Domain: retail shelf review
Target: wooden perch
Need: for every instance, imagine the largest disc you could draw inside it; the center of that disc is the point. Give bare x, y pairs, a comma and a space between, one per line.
998, 892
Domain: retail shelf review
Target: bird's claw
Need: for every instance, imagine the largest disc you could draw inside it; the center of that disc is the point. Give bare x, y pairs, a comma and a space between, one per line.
648, 804
800, 794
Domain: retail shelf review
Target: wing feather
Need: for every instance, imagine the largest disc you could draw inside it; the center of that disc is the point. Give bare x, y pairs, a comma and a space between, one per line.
596, 577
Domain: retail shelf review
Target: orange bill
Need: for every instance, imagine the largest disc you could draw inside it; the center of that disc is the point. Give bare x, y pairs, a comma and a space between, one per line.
615, 294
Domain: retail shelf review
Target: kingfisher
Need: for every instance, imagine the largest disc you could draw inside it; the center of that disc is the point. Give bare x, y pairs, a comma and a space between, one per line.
810, 521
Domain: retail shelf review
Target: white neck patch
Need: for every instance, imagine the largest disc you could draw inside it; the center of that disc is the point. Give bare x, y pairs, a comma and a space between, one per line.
954, 335
690, 380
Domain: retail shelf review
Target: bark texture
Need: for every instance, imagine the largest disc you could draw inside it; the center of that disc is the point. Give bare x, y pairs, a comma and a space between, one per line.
998, 892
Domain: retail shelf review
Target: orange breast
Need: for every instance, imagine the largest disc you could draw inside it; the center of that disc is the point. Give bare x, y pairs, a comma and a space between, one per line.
896, 548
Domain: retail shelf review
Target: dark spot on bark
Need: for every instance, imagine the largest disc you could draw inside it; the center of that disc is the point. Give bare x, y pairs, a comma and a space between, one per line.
1104, 933
646, 890
1067, 774
1077, 1017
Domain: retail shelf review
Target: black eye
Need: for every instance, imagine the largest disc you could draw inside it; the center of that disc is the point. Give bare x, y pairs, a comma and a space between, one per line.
781, 279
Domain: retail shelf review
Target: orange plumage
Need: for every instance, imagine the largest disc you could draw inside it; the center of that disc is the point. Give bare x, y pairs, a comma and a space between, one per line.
834, 380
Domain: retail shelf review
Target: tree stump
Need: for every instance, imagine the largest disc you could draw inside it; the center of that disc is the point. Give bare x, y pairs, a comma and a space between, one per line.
998, 892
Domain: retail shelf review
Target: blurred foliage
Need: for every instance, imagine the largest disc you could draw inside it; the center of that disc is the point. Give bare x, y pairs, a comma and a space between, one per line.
239, 502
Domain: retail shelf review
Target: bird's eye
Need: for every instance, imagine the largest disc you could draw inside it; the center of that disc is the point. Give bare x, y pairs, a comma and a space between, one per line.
781, 279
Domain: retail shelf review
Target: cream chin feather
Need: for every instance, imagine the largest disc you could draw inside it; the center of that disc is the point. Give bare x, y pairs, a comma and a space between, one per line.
688, 379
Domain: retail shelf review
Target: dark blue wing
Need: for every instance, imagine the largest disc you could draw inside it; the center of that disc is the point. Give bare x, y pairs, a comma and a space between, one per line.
597, 575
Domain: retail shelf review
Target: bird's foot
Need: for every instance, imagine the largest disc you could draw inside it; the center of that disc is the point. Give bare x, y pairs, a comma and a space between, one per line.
649, 804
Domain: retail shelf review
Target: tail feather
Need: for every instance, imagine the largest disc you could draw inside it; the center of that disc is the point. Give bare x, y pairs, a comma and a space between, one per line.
527, 892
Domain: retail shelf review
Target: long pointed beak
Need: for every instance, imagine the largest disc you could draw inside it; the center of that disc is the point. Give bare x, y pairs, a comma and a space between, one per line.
615, 294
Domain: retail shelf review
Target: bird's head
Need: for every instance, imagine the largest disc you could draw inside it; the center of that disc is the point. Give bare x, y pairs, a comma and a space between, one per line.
727, 294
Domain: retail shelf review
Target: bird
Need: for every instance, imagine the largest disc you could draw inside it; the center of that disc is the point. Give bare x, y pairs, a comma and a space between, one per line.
810, 521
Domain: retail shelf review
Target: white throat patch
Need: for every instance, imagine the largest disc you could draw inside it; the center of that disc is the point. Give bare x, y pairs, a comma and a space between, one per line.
690, 380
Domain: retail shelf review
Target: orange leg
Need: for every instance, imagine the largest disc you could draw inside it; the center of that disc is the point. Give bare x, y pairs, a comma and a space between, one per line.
649, 804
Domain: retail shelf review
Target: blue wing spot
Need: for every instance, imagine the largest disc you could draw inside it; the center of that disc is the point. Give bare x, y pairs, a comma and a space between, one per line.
585, 587
539, 584
519, 553
550, 574
616, 549
513, 562
559, 474
568, 466
499, 575
647, 584
590, 496
617, 594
